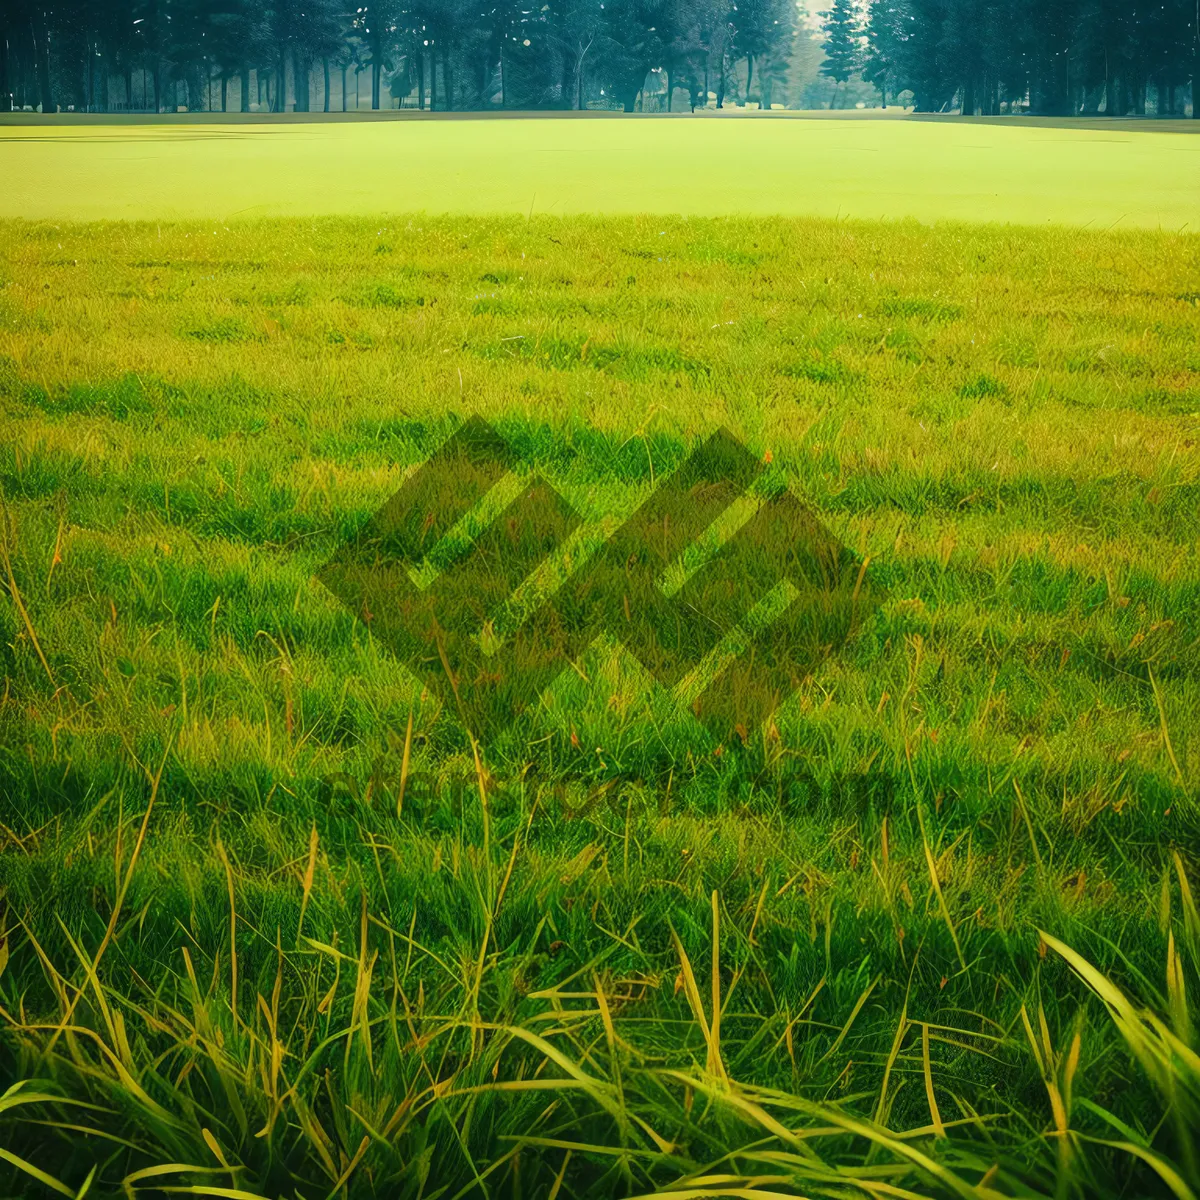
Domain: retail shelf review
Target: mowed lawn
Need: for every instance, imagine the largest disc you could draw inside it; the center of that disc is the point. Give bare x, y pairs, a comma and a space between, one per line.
226, 924
1124, 175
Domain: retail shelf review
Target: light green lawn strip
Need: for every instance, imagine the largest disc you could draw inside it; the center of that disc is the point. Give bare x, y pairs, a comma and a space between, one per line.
863, 168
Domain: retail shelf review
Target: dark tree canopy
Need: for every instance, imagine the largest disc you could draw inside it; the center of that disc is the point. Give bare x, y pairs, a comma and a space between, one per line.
278, 55
1052, 57
1049, 57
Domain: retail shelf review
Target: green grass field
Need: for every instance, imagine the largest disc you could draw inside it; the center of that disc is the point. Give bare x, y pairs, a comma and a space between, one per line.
239, 957
1024, 172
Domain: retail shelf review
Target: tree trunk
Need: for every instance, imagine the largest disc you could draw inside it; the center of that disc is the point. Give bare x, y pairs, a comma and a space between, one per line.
343, 87
41, 64
376, 70
566, 82
447, 78
280, 83
6, 104
41, 53
482, 83
1139, 97
749, 75
157, 86
301, 81
432, 79
420, 57
1112, 97
325, 64
1196, 65
721, 83
245, 90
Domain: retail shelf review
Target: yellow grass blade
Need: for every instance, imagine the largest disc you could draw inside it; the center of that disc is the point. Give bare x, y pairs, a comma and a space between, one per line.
935, 1116
558, 1179
1177, 993
404, 765
1191, 916
937, 889
233, 964
15, 595
883, 1138
222, 1193
893, 1054
1166, 733
309, 873
715, 1065
858, 1007
16, 1096
351, 1165
598, 1089
35, 1172
130, 1182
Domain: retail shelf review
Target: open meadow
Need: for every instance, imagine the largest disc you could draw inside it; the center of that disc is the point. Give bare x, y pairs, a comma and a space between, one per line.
1123, 174
272, 925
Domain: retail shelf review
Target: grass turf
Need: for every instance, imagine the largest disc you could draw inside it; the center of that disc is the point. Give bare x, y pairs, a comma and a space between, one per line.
286, 984
874, 167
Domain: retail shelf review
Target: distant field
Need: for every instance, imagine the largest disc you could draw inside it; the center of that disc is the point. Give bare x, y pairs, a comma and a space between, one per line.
312, 984
1123, 175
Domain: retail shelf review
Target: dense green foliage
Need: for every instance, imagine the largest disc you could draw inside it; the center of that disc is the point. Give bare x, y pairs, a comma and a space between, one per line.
265, 907
1053, 57
97, 55
1057, 57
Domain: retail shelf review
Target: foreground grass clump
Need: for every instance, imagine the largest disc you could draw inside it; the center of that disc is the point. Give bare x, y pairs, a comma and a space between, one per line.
269, 927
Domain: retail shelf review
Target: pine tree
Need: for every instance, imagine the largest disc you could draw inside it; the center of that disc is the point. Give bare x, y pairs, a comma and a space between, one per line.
884, 53
843, 41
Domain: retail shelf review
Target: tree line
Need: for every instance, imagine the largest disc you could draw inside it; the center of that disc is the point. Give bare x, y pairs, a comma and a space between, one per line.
309, 55
1048, 57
